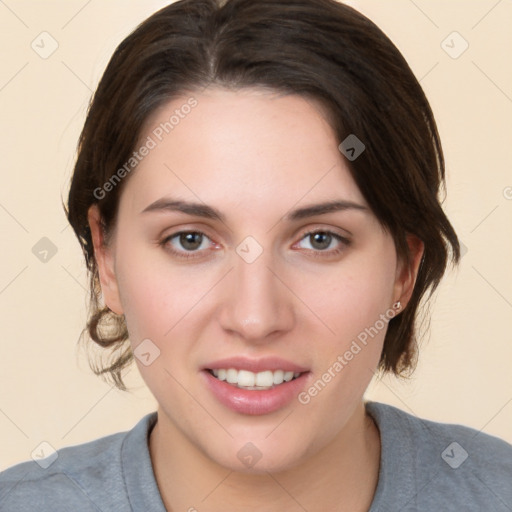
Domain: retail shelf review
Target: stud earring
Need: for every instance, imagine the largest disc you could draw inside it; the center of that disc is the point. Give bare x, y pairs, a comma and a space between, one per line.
397, 305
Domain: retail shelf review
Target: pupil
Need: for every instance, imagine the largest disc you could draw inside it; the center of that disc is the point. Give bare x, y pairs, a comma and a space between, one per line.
321, 240
191, 241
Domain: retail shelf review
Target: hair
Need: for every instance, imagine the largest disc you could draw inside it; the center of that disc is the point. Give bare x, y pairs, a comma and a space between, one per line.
319, 49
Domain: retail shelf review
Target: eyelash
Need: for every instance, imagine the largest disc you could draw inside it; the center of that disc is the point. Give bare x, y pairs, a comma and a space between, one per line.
345, 242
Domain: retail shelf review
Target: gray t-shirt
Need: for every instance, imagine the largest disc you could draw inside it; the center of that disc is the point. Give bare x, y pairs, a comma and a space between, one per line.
425, 466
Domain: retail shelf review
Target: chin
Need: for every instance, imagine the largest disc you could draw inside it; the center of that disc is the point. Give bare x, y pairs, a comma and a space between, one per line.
260, 455
252, 461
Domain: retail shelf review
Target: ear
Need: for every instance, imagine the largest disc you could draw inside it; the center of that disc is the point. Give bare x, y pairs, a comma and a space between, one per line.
407, 271
104, 255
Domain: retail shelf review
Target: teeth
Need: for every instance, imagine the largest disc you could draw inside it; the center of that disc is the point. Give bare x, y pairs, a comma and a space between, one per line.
232, 376
246, 379
288, 376
250, 380
278, 377
264, 379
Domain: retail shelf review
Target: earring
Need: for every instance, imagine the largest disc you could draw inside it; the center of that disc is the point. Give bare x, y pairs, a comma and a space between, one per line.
397, 305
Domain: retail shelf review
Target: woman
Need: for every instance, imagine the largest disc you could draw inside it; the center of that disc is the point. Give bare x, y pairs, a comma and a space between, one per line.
256, 195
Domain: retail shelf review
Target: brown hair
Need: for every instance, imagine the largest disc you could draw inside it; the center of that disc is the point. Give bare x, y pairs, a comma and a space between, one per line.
319, 49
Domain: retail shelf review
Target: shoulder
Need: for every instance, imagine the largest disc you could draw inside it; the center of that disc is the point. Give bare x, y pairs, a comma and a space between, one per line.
83, 477
444, 465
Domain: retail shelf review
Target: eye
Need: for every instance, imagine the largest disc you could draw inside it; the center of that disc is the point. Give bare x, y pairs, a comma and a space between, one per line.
323, 241
187, 243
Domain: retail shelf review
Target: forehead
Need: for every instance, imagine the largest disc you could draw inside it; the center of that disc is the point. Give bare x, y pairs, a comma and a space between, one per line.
249, 146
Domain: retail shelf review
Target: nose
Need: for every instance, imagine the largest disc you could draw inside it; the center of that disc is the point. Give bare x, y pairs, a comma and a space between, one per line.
257, 306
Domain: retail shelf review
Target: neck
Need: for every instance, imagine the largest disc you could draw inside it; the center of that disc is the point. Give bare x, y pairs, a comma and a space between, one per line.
342, 476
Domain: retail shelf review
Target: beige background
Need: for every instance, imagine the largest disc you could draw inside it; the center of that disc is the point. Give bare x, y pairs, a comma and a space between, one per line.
47, 392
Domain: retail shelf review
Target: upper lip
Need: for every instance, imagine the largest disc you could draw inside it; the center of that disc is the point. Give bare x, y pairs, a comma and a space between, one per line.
255, 365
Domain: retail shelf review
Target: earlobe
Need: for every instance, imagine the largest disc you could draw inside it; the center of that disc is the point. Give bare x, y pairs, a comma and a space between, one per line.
407, 271
103, 254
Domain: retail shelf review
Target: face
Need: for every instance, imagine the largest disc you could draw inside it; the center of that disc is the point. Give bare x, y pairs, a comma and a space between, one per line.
244, 256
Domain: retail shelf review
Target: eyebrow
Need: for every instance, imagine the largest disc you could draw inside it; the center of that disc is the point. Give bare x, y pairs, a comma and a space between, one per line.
197, 209
322, 209
208, 212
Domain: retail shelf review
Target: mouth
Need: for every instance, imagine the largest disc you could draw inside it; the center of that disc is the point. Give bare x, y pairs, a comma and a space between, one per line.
251, 381
255, 386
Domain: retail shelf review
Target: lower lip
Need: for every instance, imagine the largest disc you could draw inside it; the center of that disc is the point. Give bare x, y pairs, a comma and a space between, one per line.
255, 402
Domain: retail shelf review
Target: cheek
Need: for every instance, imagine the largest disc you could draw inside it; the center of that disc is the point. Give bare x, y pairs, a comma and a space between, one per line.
161, 303
145, 300
352, 296
354, 302
346, 359
154, 294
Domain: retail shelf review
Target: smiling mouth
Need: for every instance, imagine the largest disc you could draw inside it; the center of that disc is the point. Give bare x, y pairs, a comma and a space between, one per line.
260, 381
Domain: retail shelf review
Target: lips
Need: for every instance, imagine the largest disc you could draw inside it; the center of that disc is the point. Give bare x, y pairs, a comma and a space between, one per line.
244, 394
256, 365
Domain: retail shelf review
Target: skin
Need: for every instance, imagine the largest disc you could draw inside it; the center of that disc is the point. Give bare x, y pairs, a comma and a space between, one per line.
254, 156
